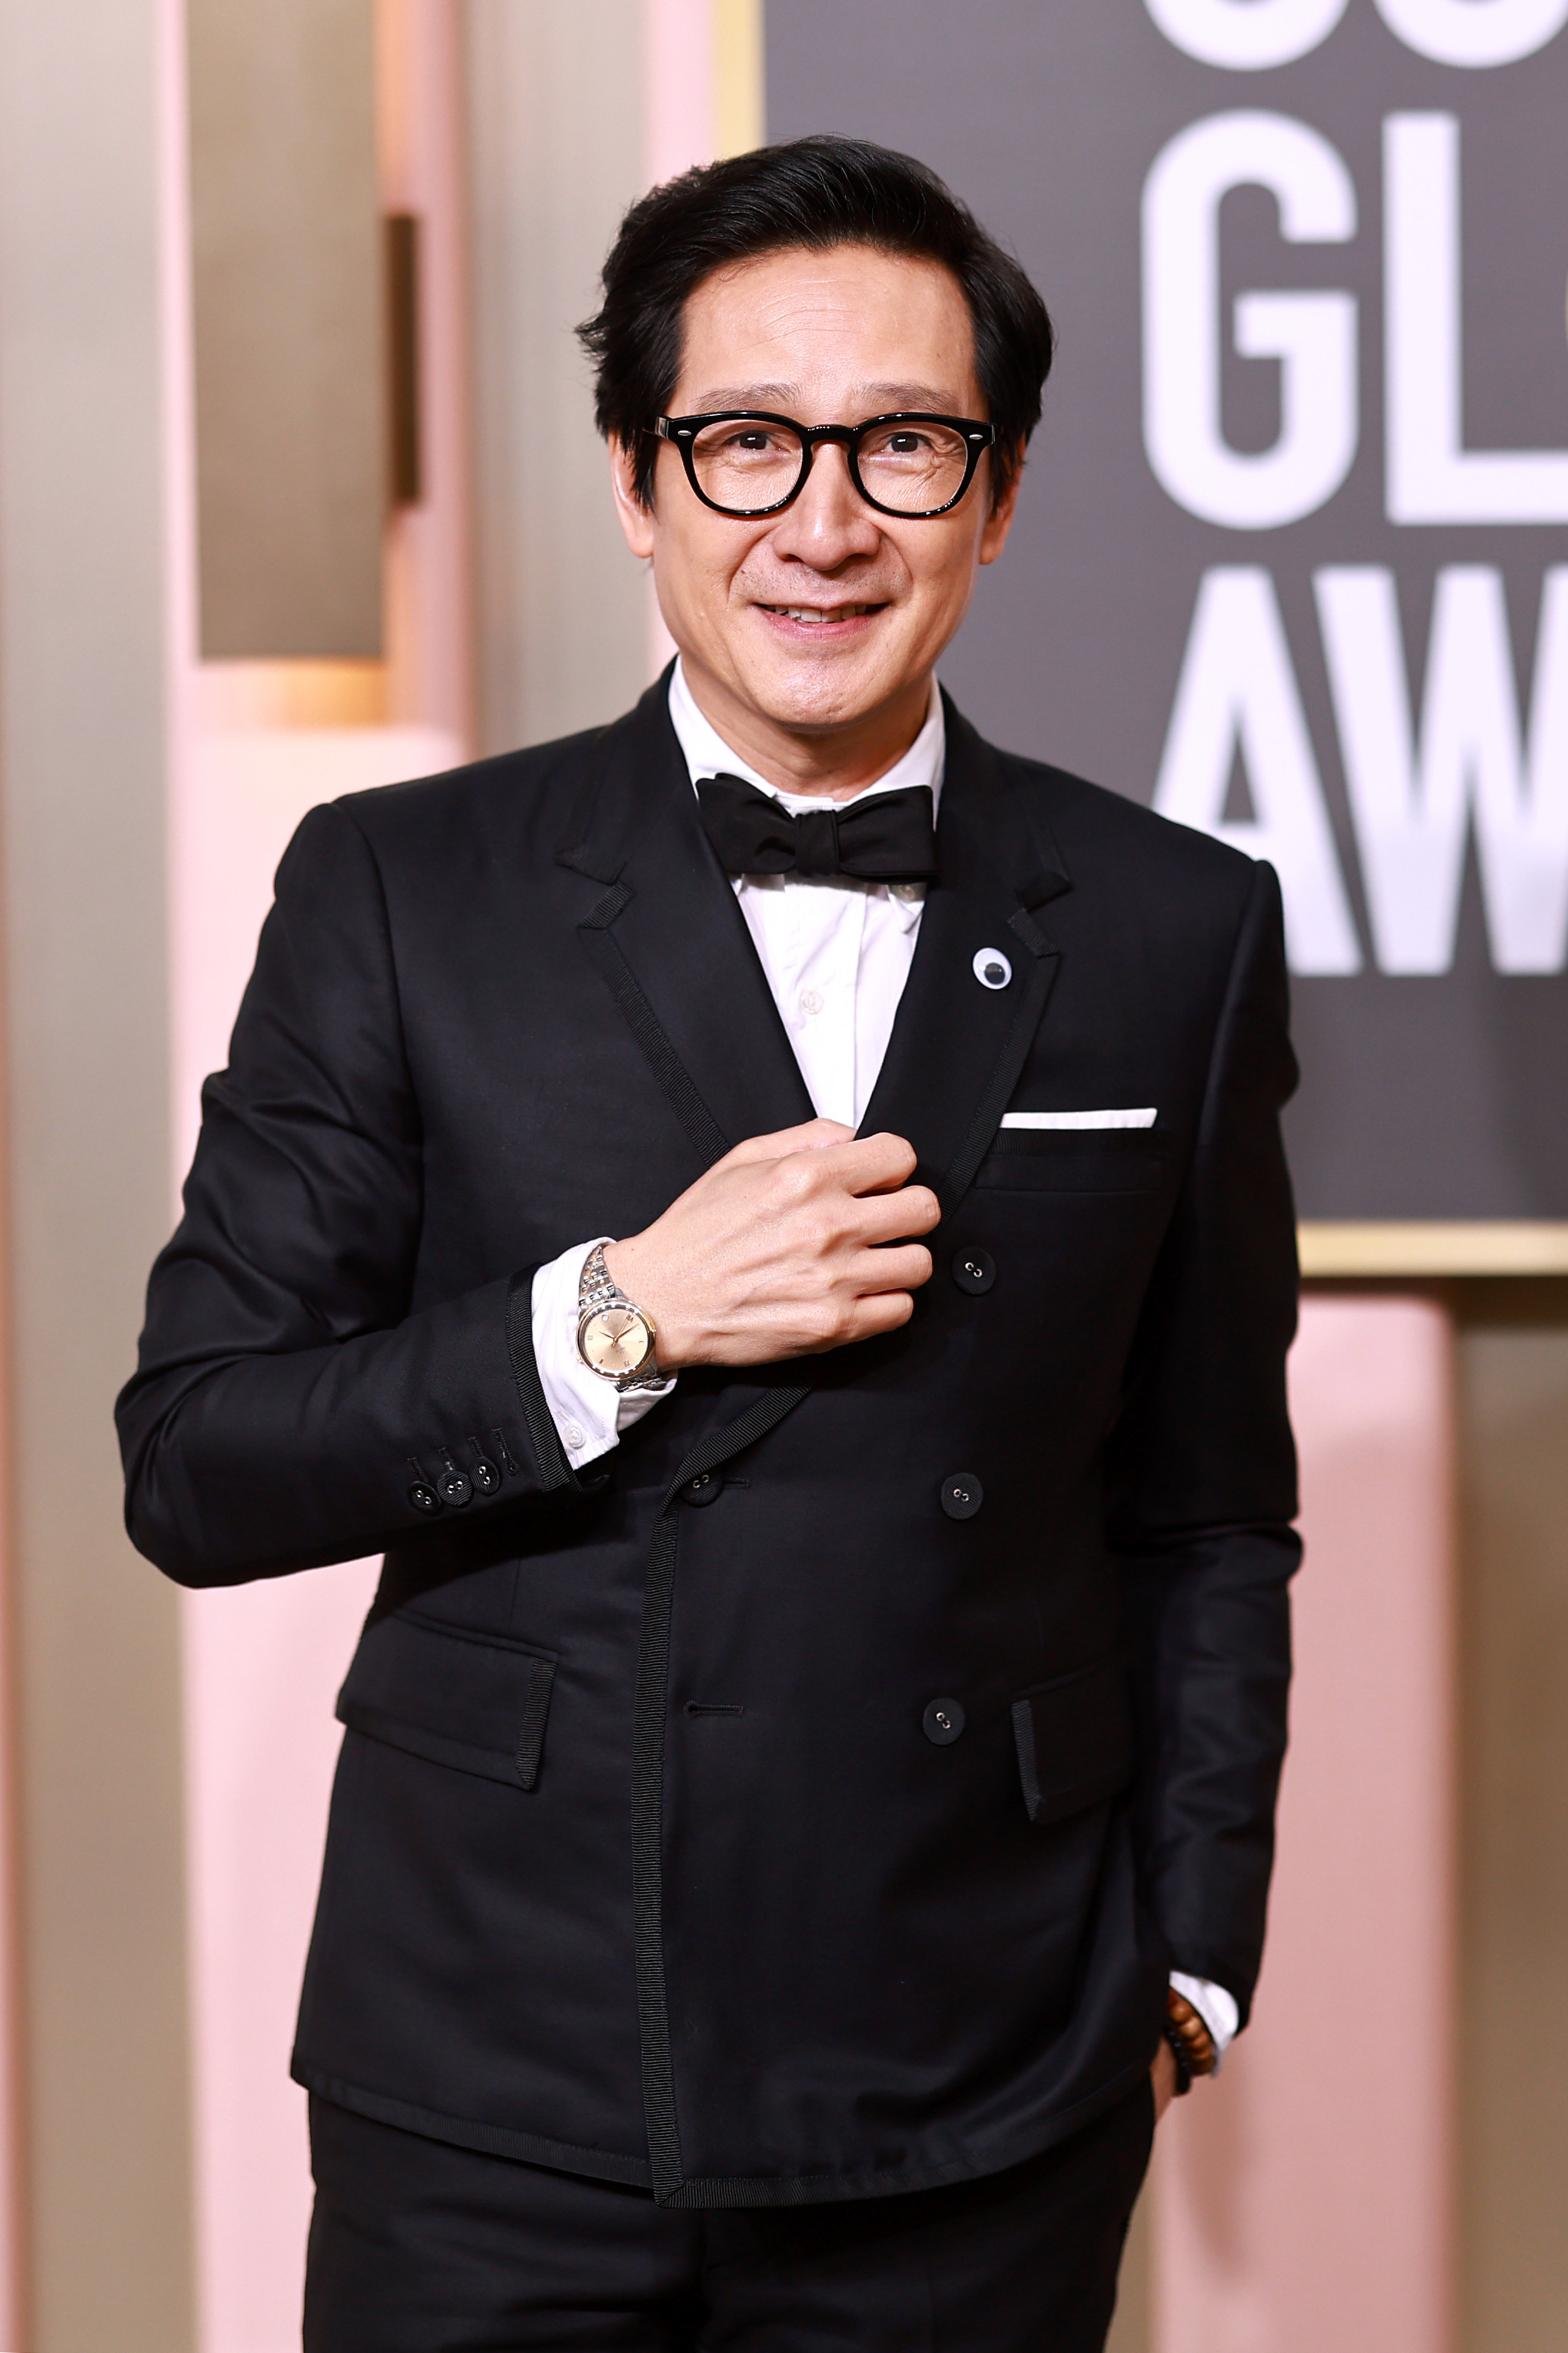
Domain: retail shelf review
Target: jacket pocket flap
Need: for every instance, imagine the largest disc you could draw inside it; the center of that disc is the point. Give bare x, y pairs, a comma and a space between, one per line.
1075, 1740
477, 1703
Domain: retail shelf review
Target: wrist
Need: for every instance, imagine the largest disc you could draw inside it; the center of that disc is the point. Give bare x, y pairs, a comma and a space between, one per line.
1191, 2044
626, 1262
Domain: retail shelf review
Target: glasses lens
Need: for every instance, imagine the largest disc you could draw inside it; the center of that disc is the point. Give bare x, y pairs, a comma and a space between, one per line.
745, 464
913, 467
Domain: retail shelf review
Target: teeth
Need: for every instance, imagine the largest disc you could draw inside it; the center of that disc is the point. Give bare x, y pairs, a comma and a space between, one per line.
809, 614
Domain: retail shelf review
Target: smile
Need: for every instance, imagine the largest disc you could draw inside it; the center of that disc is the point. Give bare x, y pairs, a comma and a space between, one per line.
815, 617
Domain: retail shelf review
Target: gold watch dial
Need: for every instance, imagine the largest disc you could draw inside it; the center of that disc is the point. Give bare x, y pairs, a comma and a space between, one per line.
616, 1340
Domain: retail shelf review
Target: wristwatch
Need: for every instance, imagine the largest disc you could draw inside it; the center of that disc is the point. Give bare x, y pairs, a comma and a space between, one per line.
614, 1339
1192, 2044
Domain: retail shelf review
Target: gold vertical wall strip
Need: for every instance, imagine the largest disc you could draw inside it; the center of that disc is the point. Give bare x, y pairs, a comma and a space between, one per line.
406, 436
83, 662
1514, 1911
739, 98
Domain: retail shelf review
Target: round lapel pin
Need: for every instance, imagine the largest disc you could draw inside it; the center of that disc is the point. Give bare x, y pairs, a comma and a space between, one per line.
992, 969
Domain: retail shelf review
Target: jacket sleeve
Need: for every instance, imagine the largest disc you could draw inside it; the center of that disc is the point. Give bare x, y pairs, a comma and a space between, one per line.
1202, 1490
288, 1410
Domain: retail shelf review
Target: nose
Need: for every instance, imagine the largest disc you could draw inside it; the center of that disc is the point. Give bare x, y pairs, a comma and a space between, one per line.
829, 523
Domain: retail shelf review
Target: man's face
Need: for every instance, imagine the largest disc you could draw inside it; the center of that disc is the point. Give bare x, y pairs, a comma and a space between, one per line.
829, 616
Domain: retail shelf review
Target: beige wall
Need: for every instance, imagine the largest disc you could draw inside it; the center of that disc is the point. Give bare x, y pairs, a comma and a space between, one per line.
556, 147
82, 649
287, 293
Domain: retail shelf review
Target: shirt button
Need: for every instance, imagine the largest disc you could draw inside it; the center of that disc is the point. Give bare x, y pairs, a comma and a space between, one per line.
974, 1271
573, 1436
810, 1000
942, 1722
961, 1495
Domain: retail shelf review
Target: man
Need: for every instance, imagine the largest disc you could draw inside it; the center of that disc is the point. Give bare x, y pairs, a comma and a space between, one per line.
800, 1295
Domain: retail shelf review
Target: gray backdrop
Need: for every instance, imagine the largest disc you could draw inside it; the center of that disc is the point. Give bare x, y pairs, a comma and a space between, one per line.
1428, 1093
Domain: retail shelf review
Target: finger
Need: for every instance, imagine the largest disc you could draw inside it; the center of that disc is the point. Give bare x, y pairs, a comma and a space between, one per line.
892, 1268
876, 1164
892, 1217
812, 1136
880, 1312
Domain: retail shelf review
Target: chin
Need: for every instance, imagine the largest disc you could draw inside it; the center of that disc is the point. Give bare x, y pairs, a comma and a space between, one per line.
821, 692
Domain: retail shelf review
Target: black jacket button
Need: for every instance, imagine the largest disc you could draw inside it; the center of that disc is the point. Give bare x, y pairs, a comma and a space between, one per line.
961, 1495
974, 1271
702, 1490
457, 1488
424, 1498
942, 1722
484, 1473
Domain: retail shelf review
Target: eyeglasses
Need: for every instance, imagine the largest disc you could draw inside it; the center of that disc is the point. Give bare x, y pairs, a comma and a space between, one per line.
747, 462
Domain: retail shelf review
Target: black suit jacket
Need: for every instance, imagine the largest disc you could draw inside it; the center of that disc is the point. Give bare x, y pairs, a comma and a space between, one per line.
649, 1854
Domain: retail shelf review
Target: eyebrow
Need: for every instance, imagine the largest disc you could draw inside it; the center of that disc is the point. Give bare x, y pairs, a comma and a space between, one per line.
880, 397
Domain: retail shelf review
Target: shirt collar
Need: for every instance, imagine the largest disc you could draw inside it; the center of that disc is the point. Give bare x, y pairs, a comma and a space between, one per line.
707, 755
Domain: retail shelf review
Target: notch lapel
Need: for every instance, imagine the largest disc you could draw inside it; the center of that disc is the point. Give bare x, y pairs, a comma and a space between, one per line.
958, 1048
668, 935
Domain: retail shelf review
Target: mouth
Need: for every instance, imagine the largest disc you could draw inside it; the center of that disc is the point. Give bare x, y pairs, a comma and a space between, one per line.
820, 617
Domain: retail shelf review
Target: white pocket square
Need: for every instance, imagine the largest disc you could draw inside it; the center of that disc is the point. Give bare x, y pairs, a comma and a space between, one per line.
1078, 1118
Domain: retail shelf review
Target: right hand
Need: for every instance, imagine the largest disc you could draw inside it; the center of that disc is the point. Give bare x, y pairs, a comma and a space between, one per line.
790, 1244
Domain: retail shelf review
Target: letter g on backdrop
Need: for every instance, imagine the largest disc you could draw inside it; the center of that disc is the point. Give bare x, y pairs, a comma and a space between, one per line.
1312, 334
1247, 36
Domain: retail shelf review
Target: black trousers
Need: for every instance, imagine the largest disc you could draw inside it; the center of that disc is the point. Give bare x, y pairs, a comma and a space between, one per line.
417, 2247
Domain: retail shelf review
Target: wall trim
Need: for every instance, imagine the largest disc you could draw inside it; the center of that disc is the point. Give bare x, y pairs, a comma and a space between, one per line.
1416, 1248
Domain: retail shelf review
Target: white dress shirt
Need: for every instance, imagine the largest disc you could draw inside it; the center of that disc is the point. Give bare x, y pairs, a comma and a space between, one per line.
836, 951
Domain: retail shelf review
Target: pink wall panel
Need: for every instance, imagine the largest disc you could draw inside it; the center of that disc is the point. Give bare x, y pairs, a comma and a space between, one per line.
1303, 2202
262, 1666
262, 1663
677, 70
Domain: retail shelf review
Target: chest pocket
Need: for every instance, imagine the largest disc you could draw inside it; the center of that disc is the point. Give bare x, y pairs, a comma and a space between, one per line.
1075, 1740
478, 1703
1081, 1160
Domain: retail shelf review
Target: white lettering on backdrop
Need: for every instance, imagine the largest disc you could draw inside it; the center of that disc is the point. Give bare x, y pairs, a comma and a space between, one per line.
1238, 699
1474, 32
1432, 477
1416, 792
1413, 802
1312, 334
1247, 35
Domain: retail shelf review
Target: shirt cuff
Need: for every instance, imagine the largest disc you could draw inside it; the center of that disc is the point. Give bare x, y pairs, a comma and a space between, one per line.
589, 1414
1216, 2007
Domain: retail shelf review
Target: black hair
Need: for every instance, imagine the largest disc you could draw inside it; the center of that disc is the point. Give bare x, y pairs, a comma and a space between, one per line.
815, 193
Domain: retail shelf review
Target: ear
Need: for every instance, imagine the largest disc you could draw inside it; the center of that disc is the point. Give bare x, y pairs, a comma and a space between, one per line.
636, 520
999, 522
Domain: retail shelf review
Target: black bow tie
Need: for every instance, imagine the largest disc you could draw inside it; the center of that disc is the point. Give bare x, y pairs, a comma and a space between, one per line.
887, 837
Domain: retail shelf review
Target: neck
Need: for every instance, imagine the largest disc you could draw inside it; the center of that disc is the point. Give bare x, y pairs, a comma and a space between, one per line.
827, 763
